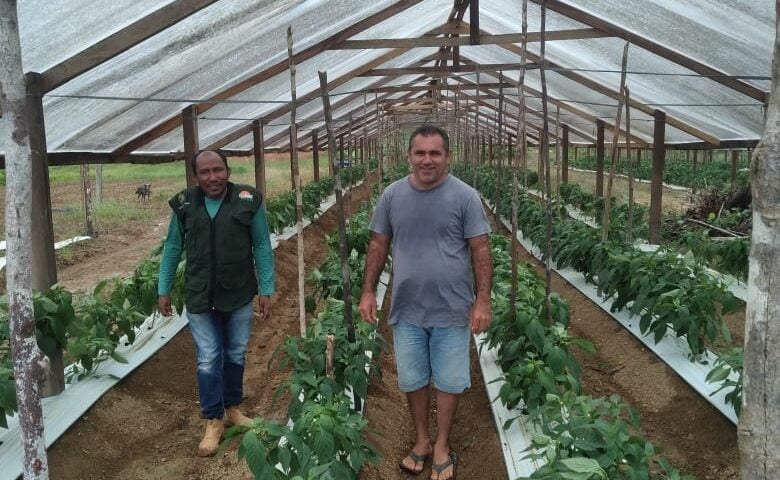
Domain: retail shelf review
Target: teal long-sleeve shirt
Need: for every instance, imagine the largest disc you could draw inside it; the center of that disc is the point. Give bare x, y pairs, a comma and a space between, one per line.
262, 251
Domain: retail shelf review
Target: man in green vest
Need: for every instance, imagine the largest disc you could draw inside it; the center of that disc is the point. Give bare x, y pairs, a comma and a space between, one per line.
222, 229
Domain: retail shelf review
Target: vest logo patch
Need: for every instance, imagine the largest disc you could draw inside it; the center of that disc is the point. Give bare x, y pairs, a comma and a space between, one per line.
245, 195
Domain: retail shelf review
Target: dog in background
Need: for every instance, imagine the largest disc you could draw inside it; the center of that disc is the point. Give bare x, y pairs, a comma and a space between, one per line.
144, 192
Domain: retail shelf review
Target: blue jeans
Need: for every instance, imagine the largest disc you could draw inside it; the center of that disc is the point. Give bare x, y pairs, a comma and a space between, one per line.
220, 345
441, 353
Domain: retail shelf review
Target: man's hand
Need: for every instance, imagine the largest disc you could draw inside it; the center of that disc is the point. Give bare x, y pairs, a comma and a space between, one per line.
264, 306
368, 306
480, 316
164, 305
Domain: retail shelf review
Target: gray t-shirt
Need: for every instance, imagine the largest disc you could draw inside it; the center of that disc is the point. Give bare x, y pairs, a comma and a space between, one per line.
432, 276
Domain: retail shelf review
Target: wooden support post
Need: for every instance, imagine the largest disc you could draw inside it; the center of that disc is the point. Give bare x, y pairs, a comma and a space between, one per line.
474, 22
657, 176
695, 160
259, 154
86, 200
340, 154
43, 262
44, 267
599, 158
99, 182
315, 154
734, 157
565, 155
189, 118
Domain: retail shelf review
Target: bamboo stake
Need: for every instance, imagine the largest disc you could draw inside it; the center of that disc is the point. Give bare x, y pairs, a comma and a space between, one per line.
544, 155
298, 187
615, 138
476, 129
330, 347
519, 159
629, 171
340, 208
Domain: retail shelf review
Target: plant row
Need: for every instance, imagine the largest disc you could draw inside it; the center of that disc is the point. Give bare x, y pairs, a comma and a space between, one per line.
666, 291
724, 256
577, 436
324, 436
281, 208
678, 171
87, 328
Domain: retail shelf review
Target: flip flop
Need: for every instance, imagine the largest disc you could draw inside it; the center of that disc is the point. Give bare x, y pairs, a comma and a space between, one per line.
440, 467
416, 458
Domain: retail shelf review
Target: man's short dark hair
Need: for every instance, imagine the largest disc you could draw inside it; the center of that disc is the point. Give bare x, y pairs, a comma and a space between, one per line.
428, 130
193, 160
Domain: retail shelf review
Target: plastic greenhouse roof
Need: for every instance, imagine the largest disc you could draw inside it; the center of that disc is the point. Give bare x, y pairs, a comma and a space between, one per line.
229, 42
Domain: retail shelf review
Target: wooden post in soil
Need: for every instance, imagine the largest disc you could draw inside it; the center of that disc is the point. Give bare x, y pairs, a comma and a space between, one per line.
500, 139
759, 421
558, 155
86, 200
657, 173
259, 156
297, 186
629, 170
44, 266
614, 151
599, 157
29, 363
315, 154
379, 152
350, 163
189, 125
565, 155
544, 156
346, 287
519, 160
695, 159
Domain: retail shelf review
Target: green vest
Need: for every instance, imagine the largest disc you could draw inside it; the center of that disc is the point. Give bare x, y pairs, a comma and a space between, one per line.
220, 272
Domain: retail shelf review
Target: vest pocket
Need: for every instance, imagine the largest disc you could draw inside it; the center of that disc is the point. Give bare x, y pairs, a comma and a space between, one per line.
195, 285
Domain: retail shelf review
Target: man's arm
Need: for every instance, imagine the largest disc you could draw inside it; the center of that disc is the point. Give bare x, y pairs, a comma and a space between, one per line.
262, 251
172, 248
375, 263
483, 274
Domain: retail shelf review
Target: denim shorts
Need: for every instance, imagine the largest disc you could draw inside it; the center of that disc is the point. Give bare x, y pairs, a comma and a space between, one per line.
441, 353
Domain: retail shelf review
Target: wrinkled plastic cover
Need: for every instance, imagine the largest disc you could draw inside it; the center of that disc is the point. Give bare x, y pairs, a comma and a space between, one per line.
232, 40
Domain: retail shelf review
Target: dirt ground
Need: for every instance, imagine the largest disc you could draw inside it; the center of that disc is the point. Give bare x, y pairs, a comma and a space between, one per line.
148, 426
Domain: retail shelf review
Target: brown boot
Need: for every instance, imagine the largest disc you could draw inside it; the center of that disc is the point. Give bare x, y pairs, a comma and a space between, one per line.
215, 427
233, 416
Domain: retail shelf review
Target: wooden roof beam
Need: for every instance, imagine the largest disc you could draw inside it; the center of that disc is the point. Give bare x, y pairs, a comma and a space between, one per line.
485, 39
444, 70
609, 92
564, 106
119, 41
679, 58
175, 120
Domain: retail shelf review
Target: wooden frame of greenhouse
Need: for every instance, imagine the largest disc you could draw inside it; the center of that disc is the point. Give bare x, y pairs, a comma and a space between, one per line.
521, 86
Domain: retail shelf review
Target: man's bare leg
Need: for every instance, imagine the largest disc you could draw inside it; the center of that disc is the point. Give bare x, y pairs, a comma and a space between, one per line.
446, 405
419, 404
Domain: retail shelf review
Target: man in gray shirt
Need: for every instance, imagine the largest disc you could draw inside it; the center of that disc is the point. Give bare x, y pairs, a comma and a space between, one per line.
438, 230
